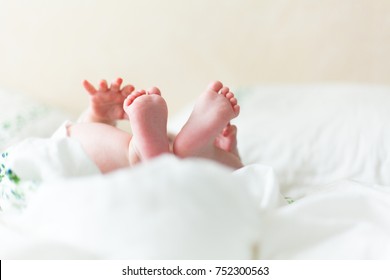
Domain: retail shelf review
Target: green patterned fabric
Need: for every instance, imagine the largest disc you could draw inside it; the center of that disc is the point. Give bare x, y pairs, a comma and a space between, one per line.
13, 191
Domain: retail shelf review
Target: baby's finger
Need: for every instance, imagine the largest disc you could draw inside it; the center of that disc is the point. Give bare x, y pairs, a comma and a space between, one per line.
103, 86
89, 87
126, 90
116, 84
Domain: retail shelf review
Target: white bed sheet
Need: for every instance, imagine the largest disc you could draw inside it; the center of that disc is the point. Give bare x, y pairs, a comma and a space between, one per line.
344, 220
190, 209
193, 209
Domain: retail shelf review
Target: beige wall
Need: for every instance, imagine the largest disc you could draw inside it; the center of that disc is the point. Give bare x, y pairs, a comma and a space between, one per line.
48, 47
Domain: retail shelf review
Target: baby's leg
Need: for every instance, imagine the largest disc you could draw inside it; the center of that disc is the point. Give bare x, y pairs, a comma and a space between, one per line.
207, 133
111, 148
148, 113
106, 145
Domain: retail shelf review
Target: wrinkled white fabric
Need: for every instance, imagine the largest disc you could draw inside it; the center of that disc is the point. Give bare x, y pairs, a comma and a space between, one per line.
194, 209
345, 220
314, 135
37, 160
166, 209
49, 159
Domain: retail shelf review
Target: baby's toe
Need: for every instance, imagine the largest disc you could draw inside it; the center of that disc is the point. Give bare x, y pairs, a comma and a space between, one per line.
230, 130
130, 99
236, 109
233, 101
224, 91
154, 90
215, 86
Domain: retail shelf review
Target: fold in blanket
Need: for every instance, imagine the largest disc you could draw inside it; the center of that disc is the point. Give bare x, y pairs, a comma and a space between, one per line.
171, 208
27, 164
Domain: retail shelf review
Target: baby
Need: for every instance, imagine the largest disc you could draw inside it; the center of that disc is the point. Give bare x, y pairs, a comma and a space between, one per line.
206, 134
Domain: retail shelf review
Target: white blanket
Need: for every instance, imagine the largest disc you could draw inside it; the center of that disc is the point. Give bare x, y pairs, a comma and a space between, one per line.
345, 220
183, 209
168, 208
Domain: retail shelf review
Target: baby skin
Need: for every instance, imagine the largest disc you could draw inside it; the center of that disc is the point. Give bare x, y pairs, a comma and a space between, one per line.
207, 133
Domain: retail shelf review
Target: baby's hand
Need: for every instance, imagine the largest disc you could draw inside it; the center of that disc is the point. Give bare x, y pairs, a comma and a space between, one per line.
106, 103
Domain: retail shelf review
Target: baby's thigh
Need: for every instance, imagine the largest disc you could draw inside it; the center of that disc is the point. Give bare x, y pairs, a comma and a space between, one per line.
106, 145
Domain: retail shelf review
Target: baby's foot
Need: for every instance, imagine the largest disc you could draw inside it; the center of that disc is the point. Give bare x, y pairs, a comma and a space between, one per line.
227, 140
106, 103
148, 113
212, 113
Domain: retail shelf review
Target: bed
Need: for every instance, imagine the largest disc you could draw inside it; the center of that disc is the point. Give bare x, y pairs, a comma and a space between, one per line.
315, 186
